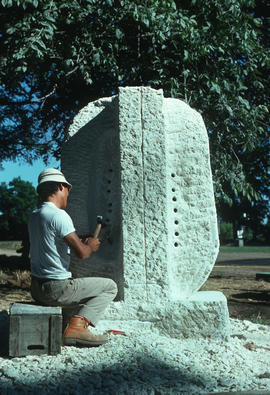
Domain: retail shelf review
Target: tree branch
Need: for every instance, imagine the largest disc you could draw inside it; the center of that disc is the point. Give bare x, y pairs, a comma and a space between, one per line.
46, 96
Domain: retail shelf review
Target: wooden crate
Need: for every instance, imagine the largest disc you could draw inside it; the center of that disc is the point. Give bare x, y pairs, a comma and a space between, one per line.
34, 330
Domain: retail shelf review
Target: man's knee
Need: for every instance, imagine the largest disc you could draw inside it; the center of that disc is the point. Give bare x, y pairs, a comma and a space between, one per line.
112, 286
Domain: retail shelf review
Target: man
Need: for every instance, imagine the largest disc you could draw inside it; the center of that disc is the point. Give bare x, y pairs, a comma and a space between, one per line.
52, 235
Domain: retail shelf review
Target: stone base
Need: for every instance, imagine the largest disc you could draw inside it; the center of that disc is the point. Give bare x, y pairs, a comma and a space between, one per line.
204, 314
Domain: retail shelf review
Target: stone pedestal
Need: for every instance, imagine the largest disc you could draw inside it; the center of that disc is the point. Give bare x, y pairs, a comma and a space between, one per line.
204, 314
142, 161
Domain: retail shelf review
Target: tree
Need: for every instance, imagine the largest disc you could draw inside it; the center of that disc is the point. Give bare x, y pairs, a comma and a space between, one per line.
58, 56
256, 168
17, 201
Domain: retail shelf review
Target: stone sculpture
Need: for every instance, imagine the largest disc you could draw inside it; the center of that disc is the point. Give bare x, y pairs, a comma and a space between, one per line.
142, 161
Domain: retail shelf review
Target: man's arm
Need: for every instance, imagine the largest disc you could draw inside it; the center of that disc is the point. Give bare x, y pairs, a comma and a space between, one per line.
82, 249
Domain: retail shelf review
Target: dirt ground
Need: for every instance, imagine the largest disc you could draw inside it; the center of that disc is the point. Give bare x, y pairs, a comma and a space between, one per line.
234, 274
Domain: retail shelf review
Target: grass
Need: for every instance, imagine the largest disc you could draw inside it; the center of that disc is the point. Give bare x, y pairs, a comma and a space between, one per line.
257, 319
245, 249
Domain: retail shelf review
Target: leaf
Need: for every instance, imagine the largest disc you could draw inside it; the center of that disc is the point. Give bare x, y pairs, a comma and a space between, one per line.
215, 88
10, 30
42, 44
96, 58
230, 111
186, 72
118, 34
257, 22
182, 22
49, 17
244, 102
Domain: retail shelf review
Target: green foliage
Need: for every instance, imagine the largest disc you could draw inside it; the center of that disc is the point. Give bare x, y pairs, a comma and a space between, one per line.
226, 232
58, 56
266, 232
17, 201
248, 235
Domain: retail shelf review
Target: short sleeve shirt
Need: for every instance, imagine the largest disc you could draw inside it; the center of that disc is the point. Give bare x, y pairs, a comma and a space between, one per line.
49, 254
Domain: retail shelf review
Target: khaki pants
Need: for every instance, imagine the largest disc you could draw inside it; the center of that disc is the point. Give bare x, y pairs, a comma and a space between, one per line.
89, 296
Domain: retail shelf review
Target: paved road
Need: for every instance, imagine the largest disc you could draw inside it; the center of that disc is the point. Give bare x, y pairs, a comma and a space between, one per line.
241, 264
244, 259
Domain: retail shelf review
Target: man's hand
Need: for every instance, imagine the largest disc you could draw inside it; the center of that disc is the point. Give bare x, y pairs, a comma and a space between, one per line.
82, 248
93, 243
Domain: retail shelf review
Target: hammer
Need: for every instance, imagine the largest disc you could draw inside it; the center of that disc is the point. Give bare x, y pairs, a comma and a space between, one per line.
100, 223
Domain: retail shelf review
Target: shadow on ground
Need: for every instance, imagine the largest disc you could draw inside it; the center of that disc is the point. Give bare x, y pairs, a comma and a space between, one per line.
245, 262
143, 374
13, 263
262, 296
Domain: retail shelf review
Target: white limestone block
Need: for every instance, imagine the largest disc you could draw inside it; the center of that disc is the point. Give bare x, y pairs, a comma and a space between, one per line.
142, 161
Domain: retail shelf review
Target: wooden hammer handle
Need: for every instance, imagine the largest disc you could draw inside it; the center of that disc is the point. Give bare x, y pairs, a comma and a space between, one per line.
97, 231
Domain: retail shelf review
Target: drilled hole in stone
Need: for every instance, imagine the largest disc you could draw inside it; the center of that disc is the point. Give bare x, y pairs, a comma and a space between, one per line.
174, 199
109, 191
176, 244
173, 175
176, 234
110, 204
110, 170
109, 181
176, 222
173, 189
175, 210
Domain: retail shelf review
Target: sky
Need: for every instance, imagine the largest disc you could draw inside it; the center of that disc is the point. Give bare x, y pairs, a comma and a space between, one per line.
24, 170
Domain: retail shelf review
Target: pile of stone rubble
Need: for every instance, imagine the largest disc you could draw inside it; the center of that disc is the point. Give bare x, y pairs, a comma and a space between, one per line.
143, 362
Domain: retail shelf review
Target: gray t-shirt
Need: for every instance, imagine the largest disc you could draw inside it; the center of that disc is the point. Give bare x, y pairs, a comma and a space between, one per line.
49, 254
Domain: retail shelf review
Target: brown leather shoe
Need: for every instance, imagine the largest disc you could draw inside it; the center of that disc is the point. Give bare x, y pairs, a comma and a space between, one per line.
77, 334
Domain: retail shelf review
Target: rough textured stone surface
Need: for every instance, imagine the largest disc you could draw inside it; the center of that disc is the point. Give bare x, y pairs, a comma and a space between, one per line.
90, 158
132, 194
204, 314
142, 161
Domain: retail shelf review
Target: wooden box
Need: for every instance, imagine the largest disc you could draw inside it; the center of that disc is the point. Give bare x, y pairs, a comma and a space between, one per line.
34, 330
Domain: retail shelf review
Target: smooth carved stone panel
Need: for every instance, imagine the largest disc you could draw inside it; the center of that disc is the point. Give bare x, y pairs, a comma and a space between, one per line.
192, 224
